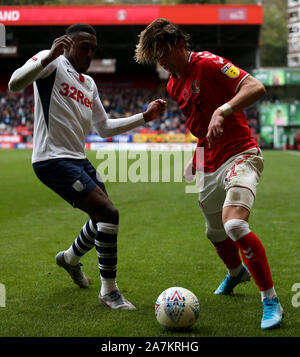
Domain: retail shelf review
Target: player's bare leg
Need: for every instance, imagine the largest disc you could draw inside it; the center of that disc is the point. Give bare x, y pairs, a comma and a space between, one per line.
235, 212
235, 219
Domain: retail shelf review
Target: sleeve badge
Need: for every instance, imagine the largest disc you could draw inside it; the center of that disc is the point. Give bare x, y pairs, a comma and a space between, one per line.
230, 70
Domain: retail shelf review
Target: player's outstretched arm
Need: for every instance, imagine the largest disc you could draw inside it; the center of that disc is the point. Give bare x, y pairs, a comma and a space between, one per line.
109, 127
32, 69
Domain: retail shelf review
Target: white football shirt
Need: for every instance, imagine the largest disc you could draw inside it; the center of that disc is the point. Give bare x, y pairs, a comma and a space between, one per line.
66, 105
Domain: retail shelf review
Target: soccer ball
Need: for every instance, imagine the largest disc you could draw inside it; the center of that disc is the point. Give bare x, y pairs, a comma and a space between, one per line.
177, 307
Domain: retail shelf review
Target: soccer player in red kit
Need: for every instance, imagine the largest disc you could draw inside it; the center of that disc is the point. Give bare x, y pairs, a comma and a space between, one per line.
212, 92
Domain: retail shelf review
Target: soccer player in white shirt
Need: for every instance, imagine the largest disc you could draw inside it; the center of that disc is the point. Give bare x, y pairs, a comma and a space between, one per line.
66, 105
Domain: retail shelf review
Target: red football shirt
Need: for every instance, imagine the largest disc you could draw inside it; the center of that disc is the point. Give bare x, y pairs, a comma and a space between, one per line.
208, 82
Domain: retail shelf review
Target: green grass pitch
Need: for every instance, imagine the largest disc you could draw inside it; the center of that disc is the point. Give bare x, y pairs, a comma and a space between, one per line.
161, 244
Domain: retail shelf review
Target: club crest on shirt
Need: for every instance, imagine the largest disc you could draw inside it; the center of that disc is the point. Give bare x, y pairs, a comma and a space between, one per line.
185, 94
230, 70
196, 87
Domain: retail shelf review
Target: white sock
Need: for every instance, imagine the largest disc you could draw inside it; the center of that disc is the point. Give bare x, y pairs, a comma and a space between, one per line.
108, 285
235, 272
270, 293
70, 257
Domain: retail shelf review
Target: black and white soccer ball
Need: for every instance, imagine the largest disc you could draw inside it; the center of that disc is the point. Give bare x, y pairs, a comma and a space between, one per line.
177, 307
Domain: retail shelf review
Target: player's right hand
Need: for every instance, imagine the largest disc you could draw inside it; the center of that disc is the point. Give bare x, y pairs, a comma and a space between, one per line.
189, 172
58, 47
215, 129
155, 108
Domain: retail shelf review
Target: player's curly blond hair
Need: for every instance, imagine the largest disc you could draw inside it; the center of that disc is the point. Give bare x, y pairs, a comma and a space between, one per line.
158, 37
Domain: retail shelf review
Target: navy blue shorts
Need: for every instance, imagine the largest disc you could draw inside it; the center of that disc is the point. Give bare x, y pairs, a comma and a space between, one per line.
72, 179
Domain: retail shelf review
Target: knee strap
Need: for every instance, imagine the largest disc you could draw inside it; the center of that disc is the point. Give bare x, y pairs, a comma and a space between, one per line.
239, 196
236, 228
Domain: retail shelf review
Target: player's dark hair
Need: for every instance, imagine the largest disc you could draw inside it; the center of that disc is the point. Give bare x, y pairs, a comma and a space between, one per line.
160, 35
73, 29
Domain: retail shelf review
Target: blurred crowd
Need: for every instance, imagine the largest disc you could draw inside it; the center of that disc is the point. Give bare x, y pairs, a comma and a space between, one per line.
132, 101
16, 110
16, 113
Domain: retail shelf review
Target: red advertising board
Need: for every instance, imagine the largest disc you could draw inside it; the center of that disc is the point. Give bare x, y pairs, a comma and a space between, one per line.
12, 139
131, 14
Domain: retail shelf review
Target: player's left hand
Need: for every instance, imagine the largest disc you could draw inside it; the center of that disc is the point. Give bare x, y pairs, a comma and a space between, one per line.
155, 108
215, 129
189, 171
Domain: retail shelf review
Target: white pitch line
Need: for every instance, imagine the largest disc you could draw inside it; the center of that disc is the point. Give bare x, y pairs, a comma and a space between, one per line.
297, 153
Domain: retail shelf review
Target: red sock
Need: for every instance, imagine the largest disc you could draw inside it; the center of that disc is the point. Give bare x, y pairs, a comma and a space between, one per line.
254, 256
229, 252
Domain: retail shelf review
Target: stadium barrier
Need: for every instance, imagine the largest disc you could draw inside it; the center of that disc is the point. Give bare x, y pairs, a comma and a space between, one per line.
12, 139
93, 140
140, 146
